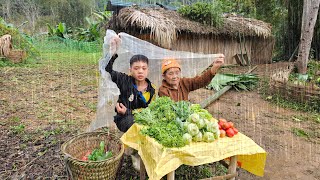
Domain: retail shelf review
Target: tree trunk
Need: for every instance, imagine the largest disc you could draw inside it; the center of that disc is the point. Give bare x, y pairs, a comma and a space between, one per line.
309, 18
7, 10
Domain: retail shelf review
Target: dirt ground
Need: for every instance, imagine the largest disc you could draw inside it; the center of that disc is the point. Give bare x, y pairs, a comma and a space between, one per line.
42, 107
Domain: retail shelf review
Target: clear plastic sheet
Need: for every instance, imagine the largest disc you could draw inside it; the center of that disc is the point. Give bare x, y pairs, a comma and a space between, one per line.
108, 92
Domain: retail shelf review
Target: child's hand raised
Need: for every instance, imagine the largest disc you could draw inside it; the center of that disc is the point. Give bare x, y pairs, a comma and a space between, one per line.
121, 109
114, 44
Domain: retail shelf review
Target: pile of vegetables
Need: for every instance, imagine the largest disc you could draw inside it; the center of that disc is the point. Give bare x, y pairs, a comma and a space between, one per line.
176, 124
227, 128
245, 82
98, 154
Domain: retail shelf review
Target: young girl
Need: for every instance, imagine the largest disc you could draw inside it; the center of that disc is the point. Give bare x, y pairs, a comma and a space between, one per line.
178, 88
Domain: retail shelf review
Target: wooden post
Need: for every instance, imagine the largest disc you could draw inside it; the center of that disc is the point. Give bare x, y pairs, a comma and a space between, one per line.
233, 166
142, 170
170, 176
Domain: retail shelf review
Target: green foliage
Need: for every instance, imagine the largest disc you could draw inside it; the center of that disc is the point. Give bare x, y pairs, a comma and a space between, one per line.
169, 134
206, 13
99, 154
17, 129
195, 172
312, 75
312, 106
245, 8
239, 82
300, 132
57, 44
60, 30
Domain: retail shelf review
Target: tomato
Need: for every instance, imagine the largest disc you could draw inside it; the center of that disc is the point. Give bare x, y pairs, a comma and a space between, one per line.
84, 158
222, 133
230, 132
219, 126
223, 120
235, 130
220, 123
231, 124
225, 126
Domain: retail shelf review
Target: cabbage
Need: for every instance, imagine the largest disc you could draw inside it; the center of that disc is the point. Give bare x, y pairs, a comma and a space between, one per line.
211, 127
197, 137
206, 122
185, 125
187, 138
201, 123
194, 118
193, 129
208, 137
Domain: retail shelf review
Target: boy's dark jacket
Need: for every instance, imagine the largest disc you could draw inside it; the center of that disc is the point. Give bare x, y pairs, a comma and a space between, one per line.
128, 93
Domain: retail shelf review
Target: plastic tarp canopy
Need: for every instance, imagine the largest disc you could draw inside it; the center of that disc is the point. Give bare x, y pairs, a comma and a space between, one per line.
108, 92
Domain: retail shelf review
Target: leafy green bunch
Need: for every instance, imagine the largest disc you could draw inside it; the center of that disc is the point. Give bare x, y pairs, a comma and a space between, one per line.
99, 154
239, 82
205, 13
160, 120
168, 122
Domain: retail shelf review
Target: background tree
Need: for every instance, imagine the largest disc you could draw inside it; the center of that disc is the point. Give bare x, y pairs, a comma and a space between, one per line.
309, 18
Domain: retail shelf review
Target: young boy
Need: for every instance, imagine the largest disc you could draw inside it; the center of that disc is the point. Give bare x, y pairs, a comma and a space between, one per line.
136, 91
178, 88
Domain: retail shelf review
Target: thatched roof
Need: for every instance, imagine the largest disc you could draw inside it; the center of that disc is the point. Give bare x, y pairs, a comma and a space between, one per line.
165, 25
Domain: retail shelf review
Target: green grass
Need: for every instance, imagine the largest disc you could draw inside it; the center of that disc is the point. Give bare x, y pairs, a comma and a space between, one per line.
17, 129
60, 52
300, 132
57, 44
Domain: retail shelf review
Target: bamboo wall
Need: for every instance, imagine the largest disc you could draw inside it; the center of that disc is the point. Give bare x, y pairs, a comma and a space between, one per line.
259, 50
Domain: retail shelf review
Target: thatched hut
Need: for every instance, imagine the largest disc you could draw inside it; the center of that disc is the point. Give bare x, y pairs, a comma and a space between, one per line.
166, 28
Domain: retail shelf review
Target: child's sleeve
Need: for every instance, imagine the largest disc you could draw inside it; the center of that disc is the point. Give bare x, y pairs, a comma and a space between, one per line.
116, 76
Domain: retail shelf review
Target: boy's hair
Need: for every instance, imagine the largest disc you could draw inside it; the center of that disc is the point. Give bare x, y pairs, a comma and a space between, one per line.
137, 58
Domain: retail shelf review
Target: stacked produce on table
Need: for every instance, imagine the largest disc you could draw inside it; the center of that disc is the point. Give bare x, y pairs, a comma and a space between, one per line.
176, 124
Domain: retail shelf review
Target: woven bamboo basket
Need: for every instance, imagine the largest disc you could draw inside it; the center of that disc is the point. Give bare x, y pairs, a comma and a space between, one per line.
17, 56
75, 148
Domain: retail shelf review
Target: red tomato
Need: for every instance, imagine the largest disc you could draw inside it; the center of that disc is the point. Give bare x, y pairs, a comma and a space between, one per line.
84, 158
222, 133
235, 130
230, 132
231, 124
225, 126
219, 126
222, 120
220, 123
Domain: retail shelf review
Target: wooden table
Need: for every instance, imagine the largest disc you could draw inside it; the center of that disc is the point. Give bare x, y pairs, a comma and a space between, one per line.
159, 161
232, 171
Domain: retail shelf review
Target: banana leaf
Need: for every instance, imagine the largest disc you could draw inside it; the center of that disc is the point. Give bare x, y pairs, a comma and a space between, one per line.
239, 82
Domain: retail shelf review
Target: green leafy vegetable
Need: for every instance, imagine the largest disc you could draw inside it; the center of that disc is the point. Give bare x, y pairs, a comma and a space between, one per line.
169, 134
239, 82
100, 154
175, 124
